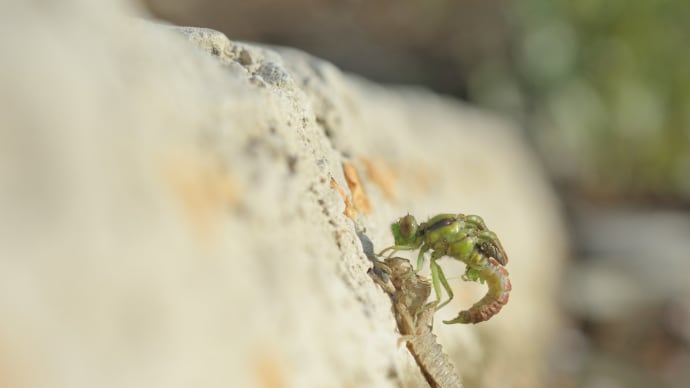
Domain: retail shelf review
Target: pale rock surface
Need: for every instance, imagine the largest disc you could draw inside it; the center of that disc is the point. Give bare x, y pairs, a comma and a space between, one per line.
168, 218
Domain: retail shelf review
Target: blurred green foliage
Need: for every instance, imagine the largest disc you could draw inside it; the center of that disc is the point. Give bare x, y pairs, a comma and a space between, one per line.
604, 86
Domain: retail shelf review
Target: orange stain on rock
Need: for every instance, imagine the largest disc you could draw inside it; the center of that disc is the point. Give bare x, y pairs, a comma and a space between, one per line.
202, 185
269, 371
350, 211
424, 178
17, 366
382, 175
359, 196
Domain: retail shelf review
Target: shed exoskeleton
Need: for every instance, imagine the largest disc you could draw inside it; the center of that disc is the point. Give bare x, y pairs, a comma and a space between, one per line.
409, 292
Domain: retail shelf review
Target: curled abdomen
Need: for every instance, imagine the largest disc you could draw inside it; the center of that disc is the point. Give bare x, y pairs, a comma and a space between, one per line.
496, 277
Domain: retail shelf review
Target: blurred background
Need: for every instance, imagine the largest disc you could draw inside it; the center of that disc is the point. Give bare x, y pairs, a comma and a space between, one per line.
601, 89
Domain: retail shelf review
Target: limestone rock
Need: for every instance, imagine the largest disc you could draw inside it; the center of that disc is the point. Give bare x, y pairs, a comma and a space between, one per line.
174, 212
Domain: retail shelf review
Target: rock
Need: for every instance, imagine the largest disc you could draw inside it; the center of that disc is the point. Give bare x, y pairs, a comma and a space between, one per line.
171, 217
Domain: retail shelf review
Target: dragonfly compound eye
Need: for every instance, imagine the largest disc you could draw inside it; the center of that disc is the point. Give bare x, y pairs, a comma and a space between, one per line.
408, 226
